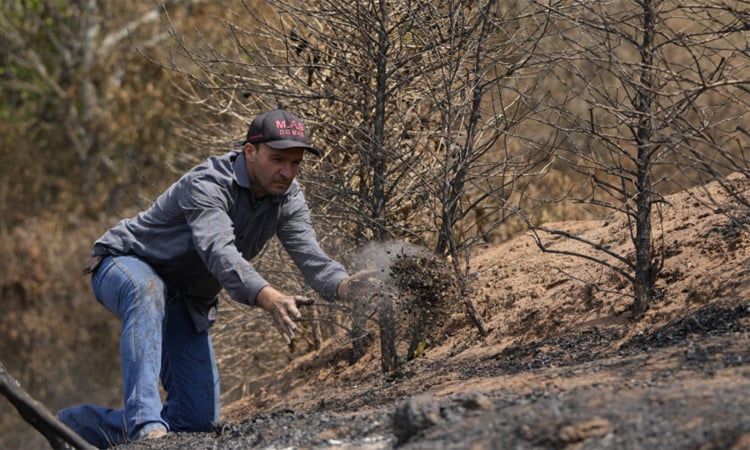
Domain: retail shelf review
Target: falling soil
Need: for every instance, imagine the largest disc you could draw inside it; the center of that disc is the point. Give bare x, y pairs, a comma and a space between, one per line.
562, 364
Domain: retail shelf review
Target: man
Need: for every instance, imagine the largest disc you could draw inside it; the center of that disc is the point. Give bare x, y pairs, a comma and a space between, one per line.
160, 272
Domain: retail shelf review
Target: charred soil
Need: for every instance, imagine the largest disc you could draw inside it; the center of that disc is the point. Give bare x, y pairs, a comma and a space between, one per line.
562, 365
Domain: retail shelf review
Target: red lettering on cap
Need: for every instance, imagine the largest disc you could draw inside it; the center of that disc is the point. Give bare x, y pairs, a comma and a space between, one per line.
292, 129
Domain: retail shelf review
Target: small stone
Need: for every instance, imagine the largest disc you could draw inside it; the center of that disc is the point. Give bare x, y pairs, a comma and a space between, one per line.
416, 414
743, 443
585, 429
476, 401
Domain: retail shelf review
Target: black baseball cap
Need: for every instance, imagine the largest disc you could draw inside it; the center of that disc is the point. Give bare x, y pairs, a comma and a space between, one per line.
280, 130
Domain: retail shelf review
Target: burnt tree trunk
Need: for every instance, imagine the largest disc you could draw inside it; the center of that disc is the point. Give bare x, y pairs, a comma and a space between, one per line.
645, 269
58, 435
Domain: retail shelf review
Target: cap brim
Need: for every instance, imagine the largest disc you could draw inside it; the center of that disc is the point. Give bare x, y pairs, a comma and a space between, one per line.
287, 144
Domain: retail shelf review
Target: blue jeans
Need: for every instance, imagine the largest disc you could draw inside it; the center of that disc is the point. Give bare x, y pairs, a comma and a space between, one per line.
157, 341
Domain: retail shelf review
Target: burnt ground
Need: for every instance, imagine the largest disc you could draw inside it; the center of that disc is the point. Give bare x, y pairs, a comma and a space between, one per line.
563, 363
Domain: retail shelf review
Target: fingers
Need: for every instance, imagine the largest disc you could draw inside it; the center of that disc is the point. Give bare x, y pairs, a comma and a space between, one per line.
283, 310
301, 300
366, 273
363, 279
286, 326
285, 315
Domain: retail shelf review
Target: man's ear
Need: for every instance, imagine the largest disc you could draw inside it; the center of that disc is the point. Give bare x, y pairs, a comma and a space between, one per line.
248, 149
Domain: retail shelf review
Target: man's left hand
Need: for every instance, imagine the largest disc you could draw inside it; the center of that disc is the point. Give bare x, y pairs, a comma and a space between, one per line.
358, 284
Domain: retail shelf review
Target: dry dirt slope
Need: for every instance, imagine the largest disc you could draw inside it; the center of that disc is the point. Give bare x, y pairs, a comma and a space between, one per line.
563, 366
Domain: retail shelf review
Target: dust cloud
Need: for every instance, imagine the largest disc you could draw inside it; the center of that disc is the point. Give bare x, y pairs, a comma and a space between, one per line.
379, 257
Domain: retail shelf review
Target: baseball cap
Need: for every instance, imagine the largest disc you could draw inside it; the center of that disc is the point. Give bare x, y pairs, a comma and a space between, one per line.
280, 130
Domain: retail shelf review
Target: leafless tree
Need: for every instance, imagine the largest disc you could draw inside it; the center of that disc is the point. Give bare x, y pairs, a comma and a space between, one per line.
649, 94
410, 101
344, 68
479, 59
407, 99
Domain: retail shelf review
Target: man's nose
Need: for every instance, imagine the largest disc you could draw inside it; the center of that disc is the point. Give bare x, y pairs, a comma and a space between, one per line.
287, 171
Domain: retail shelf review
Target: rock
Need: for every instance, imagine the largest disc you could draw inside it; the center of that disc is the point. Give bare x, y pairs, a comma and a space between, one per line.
585, 429
743, 443
551, 433
415, 415
476, 401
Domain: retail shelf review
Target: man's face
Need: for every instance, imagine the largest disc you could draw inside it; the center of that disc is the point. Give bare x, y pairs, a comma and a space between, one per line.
271, 171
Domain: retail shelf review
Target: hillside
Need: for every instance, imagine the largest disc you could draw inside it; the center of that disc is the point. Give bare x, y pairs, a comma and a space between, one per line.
562, 366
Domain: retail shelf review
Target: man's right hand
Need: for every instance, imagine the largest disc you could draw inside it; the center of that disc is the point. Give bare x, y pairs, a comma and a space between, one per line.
283, 309
359, 284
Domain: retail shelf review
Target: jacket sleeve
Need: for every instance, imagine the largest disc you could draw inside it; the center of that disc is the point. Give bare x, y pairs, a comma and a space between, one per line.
206, 207
299, 239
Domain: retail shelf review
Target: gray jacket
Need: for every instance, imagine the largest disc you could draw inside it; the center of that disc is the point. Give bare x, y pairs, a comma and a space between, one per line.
201, 232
